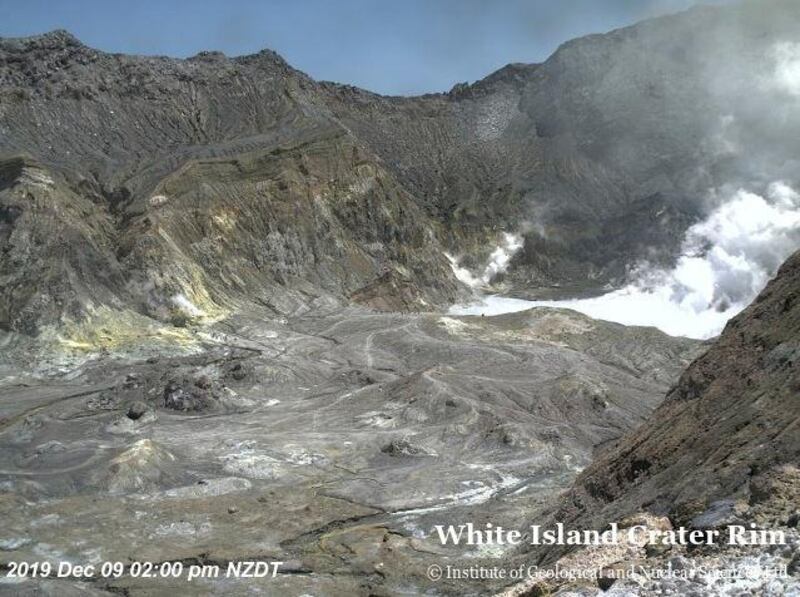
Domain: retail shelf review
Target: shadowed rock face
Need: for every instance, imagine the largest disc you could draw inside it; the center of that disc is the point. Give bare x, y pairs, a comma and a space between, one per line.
721, 450
726, 431
606, 152
281, 230
181, 189
601, 156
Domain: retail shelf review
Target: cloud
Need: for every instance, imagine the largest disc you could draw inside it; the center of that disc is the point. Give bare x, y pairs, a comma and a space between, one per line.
787, 67
501, 256
497, 264
726, 260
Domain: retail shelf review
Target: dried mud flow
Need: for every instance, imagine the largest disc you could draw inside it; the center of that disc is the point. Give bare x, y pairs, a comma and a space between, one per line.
329, 441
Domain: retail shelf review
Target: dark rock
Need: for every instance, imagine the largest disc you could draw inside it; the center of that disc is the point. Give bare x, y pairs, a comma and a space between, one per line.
204, 382
605, 582
719, 514
359, 377
137, 410
131, 381
793, 567
106, 400
186, 397
238, 372
402, 447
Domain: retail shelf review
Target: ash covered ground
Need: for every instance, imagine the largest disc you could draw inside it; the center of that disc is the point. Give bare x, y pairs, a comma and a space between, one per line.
333, 441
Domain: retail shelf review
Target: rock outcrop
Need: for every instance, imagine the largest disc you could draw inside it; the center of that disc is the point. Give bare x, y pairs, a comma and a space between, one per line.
179, 188
726, 433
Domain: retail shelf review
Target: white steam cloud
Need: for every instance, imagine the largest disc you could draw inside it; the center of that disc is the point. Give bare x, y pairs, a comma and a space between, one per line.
187, 306
498, 262
501, 256
787, 67
726, 260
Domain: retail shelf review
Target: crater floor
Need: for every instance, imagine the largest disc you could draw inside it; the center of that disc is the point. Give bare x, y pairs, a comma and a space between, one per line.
332, 441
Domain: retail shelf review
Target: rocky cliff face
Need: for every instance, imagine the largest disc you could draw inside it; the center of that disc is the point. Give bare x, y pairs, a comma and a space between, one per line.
178, 188
185, 178
726, 431
606, 152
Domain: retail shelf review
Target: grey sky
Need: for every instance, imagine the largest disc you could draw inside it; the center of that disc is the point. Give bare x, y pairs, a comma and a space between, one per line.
388, 46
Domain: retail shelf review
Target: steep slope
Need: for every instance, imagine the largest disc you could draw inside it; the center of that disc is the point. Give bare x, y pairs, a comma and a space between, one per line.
601, 156
58, 248
606, 152
727, 430
195, 185
280, 229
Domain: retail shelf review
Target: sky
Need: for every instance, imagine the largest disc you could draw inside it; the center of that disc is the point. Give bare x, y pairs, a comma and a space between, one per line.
396, 47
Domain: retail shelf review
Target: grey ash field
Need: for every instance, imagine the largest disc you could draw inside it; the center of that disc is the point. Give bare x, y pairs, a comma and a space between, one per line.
223, 314
333, 442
